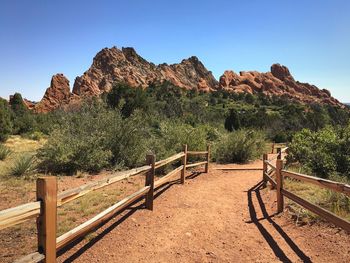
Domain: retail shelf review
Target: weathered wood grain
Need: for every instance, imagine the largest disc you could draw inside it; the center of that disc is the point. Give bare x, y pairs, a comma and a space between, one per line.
336, 186
19, 214
31, 258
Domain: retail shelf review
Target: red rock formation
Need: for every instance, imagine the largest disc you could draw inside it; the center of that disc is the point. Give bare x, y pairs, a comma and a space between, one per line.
278, 82
29, 104
112, 65
56, 95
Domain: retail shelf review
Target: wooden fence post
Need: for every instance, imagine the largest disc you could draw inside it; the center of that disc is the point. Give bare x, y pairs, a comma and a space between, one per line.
265, 158
279, 186
46, 192
184, 161
208, 158
150, 159
279, 152
273, 148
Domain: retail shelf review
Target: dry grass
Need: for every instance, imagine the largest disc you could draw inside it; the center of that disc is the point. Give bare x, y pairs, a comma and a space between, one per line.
337, 203
19, 147
20, 240
76, 212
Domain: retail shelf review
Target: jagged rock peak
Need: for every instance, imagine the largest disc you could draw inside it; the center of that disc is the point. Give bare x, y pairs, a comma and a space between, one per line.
112, 65
57, 94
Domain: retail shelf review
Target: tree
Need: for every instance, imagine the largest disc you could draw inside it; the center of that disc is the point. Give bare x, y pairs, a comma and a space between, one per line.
127, 99
23, 120
232, 121
5, 120
317, 117
17, 104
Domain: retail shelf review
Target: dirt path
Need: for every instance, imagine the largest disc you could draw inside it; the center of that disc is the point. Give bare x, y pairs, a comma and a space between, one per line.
223, 216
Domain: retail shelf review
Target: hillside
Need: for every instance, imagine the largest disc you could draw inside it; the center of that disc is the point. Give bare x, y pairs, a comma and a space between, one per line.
112, 65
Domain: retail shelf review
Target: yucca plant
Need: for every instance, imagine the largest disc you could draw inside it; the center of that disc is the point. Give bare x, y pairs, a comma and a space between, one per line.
23, 165
4, 152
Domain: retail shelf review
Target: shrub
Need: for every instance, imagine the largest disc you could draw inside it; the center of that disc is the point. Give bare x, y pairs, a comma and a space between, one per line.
81, 142
171, 136
95, 138
4, 152
22, 166
127, 99
130, 141
5, 120
232, 121
240, 146
324, 152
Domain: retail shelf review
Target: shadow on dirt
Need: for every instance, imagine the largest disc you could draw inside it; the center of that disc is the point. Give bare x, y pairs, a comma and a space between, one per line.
264, 232
124, 215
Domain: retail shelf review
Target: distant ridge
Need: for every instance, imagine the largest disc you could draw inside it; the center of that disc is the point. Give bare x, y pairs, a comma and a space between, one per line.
112, 65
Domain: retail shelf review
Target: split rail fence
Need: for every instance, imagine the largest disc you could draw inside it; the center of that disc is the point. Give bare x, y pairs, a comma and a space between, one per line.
45, 208
275, 174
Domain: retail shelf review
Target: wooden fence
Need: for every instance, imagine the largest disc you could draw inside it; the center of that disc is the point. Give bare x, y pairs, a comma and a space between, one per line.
275, 174
45, 208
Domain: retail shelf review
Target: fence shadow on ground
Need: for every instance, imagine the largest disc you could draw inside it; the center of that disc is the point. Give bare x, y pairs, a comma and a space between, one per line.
265, 233
131, 210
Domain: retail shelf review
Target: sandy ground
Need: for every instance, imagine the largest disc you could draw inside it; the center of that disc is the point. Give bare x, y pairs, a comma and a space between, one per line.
222, 216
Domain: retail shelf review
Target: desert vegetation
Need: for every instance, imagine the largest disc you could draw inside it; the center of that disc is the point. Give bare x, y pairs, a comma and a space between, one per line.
118, 129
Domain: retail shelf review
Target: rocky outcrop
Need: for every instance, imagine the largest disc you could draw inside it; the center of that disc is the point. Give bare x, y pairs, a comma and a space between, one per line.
29, 104
56, 95
112, 65
278, 82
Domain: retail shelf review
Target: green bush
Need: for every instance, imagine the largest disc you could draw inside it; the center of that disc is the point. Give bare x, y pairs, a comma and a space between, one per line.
129, 141
324, 152
23, 165
94, 138
5, 120
80, 142
240, 146
171, 136
233, 122
127, 99
4, 152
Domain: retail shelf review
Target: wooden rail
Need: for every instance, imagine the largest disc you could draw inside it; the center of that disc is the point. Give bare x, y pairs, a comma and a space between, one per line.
335, 186
102, 217
196, 153
72, 194
45, 208
318, 210
280, 174
169, 160
168, 177
196, 164
270, 165
270, 179
19, 214
32, 258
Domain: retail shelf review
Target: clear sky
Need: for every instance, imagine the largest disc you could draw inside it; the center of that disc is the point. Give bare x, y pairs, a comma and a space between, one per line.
41, 38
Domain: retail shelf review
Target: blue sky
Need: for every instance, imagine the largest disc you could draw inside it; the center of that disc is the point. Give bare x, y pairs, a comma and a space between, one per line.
41, 38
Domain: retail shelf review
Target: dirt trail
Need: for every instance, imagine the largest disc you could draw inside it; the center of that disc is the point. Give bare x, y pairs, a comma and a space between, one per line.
223, 216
